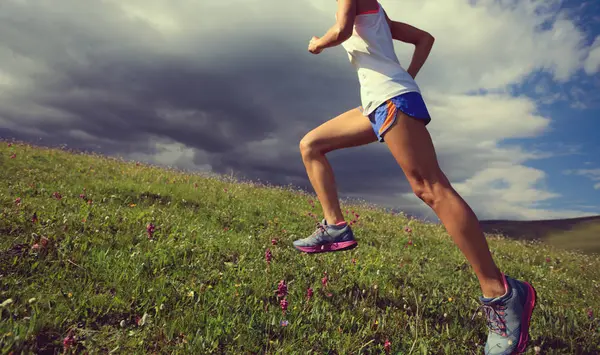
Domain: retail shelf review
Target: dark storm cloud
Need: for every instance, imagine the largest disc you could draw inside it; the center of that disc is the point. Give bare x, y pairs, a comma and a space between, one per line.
129, 92
118, 86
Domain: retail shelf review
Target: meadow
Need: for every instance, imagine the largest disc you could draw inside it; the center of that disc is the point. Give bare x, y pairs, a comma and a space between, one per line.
101, 255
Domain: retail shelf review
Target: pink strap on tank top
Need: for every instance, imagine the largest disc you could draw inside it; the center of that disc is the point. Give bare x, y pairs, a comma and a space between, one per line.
370, 12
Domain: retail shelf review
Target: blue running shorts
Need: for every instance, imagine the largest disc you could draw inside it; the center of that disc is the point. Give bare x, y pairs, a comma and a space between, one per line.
410, 103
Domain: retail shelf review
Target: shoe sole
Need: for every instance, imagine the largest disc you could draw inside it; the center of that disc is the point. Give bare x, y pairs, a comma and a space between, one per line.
339, 246
529, 306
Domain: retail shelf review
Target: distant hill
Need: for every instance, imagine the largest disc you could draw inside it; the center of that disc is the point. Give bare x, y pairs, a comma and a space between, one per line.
574, 233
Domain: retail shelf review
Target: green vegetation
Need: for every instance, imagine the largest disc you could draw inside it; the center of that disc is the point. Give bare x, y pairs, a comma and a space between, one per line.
112, 256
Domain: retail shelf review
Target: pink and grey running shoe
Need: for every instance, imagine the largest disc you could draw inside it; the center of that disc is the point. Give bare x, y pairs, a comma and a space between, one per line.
508, 318
327, 238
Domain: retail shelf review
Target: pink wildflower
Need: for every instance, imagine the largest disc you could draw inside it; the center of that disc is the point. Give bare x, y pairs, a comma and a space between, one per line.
284, 305
68, 341
548, 260
13, 156
57, 195
309, 293
408, 230
82, 196
387, 345
268, 256
324, 279
273, 241
150, 228
590, 313
282, 289
9, 145
410, 242
18, 201
36, 246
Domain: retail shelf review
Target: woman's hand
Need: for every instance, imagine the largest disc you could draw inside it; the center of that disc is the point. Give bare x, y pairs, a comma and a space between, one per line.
313, 46
340, 31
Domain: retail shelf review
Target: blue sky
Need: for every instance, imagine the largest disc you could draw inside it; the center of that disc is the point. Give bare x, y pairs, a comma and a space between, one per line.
574, 143
573, 139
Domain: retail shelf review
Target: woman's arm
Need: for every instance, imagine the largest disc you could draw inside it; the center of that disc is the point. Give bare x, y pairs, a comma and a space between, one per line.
340, 31
422, 40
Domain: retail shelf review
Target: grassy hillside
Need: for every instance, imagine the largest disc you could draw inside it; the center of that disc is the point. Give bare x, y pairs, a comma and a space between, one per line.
101, 255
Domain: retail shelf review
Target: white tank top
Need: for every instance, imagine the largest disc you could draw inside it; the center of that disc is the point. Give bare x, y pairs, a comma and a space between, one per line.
371, 51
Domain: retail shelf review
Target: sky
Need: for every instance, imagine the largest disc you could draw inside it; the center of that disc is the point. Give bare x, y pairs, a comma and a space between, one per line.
228, 86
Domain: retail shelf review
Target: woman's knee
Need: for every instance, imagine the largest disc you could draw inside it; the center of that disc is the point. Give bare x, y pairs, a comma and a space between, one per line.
430, 190
309, 146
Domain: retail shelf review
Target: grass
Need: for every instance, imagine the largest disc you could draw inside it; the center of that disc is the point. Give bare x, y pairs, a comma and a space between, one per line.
87, 270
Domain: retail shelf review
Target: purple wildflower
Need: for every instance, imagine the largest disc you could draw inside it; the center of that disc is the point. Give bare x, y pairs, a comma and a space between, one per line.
150, 228
282, 289
309, 293
268, 256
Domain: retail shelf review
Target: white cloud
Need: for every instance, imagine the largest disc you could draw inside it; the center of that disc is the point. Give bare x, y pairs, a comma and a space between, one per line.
173, 154
490, 44
488, 118
592, 62
5, 79
592, 174
506, 191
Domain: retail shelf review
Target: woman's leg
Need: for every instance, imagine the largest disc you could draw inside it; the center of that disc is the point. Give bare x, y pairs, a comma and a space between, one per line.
412, 147
349, 129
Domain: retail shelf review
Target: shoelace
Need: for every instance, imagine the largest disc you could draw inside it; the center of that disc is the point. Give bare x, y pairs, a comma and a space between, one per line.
320, 228
495, 318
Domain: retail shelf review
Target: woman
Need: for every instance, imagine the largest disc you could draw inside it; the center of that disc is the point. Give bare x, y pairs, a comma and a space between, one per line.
394, 112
